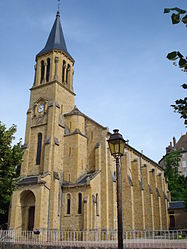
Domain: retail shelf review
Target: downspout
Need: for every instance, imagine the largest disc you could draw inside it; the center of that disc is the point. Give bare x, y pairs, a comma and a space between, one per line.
141, 165
61, 208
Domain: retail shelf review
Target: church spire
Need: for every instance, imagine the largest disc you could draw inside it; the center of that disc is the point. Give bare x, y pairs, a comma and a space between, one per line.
56, 39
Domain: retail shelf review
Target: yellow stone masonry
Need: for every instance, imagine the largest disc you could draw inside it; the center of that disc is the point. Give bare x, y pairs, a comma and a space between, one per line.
67, 179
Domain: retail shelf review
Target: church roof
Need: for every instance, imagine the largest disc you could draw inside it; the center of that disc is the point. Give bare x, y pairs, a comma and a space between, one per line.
76, 111
182, 143
83, 180
176, 205
88, 177
56, 39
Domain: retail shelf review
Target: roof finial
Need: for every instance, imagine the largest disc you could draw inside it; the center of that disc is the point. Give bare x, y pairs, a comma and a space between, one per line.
58, 11
59, 3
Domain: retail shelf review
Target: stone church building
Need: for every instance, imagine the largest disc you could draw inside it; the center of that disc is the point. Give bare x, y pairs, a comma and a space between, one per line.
67, 179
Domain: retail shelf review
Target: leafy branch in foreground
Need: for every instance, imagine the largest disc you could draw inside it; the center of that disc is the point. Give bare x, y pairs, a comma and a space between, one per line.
179, 15
176, 182
180, 105
181, 60
10, 162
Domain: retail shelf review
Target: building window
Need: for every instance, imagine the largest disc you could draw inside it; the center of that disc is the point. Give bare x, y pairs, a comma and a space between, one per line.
69, 151
42, 71
39, 149
79, 203
97, 205
67, 73
184, 164
63, 71
68, 203
91, 136
62, 109
48, 70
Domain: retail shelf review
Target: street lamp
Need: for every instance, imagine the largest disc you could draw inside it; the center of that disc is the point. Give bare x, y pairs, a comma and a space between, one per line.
117, 145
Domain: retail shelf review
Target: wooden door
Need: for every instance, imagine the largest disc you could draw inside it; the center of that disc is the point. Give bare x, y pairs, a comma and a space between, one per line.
31, 218
172, 222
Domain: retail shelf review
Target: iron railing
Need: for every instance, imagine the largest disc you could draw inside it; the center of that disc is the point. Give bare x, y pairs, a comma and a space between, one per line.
98, 238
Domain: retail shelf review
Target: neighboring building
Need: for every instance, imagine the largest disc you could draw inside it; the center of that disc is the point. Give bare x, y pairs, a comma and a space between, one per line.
180, 145
177, 215
67, 177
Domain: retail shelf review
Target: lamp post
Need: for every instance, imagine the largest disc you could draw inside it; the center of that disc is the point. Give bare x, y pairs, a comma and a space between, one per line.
117, 145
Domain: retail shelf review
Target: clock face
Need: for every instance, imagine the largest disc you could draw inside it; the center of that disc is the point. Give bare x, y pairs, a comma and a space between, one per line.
41, 108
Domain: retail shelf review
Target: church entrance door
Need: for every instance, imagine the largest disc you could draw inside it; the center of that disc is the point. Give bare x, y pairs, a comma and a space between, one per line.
27, 200
31, 218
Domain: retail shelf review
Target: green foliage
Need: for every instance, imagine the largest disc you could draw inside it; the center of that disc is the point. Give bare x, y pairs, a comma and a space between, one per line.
177, 56
185, 195
177, 16
10, 162
180, 106
177, 184
184, 86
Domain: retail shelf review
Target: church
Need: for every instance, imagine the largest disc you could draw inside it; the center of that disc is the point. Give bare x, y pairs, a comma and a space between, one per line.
68, 179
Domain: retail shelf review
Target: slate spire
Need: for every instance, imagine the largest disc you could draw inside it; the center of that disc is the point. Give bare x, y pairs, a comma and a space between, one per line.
56, 38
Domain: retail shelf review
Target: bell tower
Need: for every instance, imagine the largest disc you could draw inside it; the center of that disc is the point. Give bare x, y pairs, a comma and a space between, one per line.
52, 96
55, 65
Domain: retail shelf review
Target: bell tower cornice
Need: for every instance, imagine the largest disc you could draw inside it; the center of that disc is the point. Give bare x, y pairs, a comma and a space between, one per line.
53, 82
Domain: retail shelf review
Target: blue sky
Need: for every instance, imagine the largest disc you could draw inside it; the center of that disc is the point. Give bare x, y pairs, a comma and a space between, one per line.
122, 77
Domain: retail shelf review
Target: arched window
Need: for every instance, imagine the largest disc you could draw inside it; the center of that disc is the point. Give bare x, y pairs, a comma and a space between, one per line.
70, 151
48, 70
79, 203
97, 205
68, 203
42, 71
39, 149
63, 71
62, 109
67, 73
91, 136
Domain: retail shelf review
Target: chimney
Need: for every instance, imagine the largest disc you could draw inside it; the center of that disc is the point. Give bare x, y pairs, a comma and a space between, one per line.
174, 141
170, 145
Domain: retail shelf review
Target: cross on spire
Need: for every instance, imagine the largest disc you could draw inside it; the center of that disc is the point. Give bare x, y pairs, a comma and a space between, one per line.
59, 3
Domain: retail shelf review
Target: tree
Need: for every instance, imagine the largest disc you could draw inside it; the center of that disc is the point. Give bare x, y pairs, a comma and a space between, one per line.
10, 162
176, 183
179, 15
